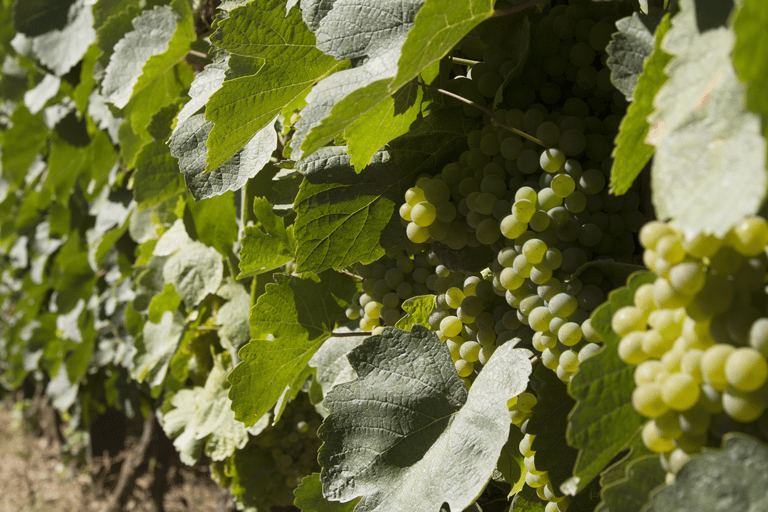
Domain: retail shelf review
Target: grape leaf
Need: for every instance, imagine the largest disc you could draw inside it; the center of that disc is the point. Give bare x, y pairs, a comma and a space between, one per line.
167, 300
160, 39
627, 484
750, 54
344, 217
330, 361
155, 349
709, 169
60, 49
36, 98
406, 435
288, 324
309, 497
266, 250
417, 311
216, 222
630, 47
21, 143
603, 421
510, 463
232, 317
631, 152
734, 478
274, 62
527, 501
548, 423
157, 175
202, 416
398, 41
36, 17
188, 142
195, 271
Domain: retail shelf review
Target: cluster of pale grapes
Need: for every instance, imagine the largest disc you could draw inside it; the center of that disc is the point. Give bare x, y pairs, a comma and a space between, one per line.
539, 480
699, 336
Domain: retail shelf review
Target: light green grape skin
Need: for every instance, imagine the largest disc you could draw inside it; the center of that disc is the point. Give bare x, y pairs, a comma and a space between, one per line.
512, 228
643, 298
680, 391
552, 160
647, 371
647, 400
454, 296
414, 196
654, 439
563, 185
758, 336
405, 212
569, 334
654, 344
470, 351
713, 365
417, 234
630, 348
510, 279
743, 407
746, 369
464, 368
525, 445
687, 277
451, 326
628, 319
750, 236
563, 305
651, 232
534, 250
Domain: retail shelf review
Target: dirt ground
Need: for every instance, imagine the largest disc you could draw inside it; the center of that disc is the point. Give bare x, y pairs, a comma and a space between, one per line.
35, 478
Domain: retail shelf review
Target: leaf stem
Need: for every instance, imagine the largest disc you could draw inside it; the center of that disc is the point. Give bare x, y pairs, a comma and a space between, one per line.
352, 274
463, 61
199, 54
517, 8
494, 119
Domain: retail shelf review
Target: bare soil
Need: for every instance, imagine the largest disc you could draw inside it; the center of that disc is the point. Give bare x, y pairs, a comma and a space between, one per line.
35, 477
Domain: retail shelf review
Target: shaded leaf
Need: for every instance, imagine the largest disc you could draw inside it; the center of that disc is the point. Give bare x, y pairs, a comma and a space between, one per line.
406, 435
309, 497
750, 54
289, 323
630, 47
195, 271
266, 250
604, 420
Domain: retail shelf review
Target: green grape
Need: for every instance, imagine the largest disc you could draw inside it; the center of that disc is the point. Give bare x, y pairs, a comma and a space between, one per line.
488, 84
691, 364
586, 77
742, 406
534, 250
373, 309
470, 351
464, 368
454, 296
713, 365
670, 248
539, 221
445, 212
547, 199
630, 348
654, 439
702, 246
654, 344
591, 182
646, 371
569, 334
590, 235
750, 236
450, 326
563, 186
511, 147
414, 196
511, 227
551, 160
664, 296
437, 192
548, 133
540, 274
669, 425
652, 232
528, 161
510, 279
523, 209
582, 54
405, 212
539, 318
694, 422
564, 26
758, 336
489, 145
679, 391
746, 369
576, 202
590, 297
488, 231
416, 233
647, 400
573, 142
573, 258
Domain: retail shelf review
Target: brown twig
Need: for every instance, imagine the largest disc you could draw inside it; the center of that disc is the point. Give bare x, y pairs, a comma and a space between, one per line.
128, 470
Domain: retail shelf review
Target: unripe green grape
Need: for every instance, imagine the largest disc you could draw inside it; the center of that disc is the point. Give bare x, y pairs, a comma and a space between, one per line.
643, 298
367, 323
667, 322
758, 336
451, 326
539, 318
373, 309
687, 277
470, 351
569, 360
534, 250
563, 186
528, 161
746, 369
670, 248
525, 445
726, 261
552, 160
563, 305
694, 422
750, 236
526, 402
511, 148
536, 481
414, 196
539, 221
628, 319
713, 365
569, 334
669, 425
655, 440
630, 348
691, 364
646, 371
523, 209
548, 133
743, 406
654, 344
664, 296
488, 231
679, 391
416, 233
591, 182
647, 400
702, 246
464, 368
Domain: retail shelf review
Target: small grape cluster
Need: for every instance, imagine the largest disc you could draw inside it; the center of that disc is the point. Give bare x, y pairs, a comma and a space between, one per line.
698, 335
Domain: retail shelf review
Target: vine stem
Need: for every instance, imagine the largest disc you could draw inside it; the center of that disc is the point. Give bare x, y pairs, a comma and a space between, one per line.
199, 54
494, 119
465, 62
352, 274
350, 334
517, 8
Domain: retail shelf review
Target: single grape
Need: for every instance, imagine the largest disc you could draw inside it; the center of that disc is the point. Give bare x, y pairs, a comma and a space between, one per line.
746, 369
713, 365
551, 160
647, 400
679, 391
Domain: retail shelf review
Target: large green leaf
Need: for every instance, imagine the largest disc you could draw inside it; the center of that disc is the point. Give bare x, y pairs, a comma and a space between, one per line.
627, 484
195, 271
155, 349
630, 47
274, 63
750, 54
269, 249
309, 497
399, 40
604, 420
417, 311
61, 48
289, 322
709, 169
160, 39
734, 478
344, 217
36, 17
548, 423
188, 142
406, 435
631, 152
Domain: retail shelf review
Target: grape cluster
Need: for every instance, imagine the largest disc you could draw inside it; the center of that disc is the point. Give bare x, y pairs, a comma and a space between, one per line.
698, 335
539, 480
